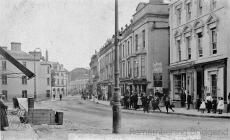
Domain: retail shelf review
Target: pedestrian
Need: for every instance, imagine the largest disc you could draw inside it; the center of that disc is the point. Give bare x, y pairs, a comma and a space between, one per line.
198, 103
183, 97
135, 99
145, 102
202, 106
220, 106
168, 105
155, 103
214, 104
189, 101
139, 102
3, 114
60, 96
209, 102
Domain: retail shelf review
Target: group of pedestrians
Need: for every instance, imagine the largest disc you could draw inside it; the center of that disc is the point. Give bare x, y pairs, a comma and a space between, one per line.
211, 104
146, 101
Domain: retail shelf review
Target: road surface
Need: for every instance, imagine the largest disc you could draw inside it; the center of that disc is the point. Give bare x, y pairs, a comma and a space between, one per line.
86, 117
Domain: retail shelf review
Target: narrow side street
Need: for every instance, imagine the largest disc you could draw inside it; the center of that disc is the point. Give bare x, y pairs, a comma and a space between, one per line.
86, 117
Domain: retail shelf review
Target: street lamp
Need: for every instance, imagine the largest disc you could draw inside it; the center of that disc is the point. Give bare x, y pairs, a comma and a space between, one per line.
35, 92
116, 95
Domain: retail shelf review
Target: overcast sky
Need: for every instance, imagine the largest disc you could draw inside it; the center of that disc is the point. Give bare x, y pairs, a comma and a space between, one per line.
71, 30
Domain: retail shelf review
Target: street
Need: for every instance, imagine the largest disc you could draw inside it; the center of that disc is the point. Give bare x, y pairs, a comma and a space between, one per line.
87, 117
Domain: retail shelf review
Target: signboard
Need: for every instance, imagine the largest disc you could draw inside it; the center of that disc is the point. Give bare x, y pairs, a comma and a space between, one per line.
157, 67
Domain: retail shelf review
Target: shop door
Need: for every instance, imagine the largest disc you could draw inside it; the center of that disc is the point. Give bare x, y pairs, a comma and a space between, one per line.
199, 84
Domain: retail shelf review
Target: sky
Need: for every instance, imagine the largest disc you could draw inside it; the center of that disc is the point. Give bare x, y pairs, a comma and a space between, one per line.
71, 30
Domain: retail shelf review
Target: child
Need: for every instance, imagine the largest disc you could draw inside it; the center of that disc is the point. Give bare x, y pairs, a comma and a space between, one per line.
202, 106
220, 106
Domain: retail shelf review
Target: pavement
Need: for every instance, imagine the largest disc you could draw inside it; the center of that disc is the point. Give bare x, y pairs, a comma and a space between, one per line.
177, 111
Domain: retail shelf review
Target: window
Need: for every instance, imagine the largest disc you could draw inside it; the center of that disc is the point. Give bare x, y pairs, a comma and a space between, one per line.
179, 50
3, 65
213, 4
47, 93
188, 10
123, 69
48, 69
24, 93
62, 82
143, 38
136, 42
4, 79
214, 41
142, 65
199, 44
135, 68
123, 47
4, 92
128, 48
157, 78
24, 80
188, 44
48, 81
129, 69
214, 84
178, 10
200, 7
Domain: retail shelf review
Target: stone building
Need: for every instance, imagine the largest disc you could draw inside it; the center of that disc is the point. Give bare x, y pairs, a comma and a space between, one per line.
199, 48
94, 76
15, 84
106, 70
144, 49
59, 76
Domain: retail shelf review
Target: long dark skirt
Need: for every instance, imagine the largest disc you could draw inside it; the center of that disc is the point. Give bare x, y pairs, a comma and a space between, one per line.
4, 120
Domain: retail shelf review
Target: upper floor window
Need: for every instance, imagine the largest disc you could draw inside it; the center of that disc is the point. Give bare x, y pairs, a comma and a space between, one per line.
188, 10
128, 48
123, 50
200, 7
213, 4
143, 38
48, 81
136, 42
4, 79
123, 69
48, 69
199, 44
3, 65
188, 46
214, 41
142, 65
179, 50
178, 14
24, 80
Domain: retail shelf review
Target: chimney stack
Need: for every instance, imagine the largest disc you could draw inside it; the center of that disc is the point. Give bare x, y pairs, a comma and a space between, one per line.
156, 1
15, 46
47, 57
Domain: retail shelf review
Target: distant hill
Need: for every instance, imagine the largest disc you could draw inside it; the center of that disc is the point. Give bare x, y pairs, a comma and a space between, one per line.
79, 73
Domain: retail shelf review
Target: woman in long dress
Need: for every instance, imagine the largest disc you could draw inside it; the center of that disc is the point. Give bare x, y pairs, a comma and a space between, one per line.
139, 102
3, 115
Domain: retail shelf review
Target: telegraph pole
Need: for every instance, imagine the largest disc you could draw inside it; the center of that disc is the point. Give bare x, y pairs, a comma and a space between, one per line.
116, 95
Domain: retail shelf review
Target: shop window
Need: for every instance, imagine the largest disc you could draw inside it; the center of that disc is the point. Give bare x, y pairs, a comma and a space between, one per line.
177, 84
24, 93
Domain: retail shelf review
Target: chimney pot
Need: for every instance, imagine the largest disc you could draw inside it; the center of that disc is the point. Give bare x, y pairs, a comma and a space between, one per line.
15, 46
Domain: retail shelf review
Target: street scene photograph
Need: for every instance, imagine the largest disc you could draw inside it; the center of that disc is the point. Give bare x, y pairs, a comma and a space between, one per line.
114, 69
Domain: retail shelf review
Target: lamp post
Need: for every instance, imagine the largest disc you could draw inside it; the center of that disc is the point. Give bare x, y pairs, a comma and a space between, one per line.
116, 95
35, 91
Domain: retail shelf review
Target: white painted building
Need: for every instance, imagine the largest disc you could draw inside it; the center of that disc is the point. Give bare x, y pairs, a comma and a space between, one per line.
15, 84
